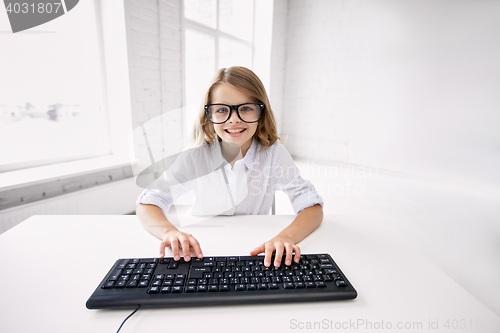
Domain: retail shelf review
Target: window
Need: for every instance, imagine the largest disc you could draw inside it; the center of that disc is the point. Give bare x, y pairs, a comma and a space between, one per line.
52, 86
217, 34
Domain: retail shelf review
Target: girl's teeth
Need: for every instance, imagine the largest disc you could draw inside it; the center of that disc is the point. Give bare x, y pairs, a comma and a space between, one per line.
234, 131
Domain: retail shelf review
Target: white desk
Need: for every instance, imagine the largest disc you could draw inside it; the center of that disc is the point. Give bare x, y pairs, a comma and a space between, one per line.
68, 256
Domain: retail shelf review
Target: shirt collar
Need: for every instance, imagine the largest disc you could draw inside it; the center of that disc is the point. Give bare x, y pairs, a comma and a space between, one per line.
218, 160
249, 158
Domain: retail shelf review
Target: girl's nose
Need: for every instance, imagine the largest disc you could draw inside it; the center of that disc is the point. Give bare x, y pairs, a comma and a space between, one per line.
234, 117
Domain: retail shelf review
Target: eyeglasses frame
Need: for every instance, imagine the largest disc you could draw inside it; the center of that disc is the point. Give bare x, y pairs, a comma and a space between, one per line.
235, 108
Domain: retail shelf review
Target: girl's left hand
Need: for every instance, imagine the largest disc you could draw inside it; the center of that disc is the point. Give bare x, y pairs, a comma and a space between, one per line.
280, 245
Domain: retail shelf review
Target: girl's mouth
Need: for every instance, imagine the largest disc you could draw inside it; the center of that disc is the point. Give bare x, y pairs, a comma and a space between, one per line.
235, 131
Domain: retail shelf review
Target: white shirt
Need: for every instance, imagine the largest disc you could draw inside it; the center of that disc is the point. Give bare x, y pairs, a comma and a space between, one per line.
247, 188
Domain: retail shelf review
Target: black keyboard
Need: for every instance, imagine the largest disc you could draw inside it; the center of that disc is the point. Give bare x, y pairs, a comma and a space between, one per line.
164, 282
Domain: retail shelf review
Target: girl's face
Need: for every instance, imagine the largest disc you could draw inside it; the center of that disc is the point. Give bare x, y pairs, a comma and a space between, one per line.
234, 130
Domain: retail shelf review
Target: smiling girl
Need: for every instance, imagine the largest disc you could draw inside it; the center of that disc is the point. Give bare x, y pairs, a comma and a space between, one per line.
237, 123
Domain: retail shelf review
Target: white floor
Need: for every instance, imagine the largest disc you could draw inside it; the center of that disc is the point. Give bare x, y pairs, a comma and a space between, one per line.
455, 225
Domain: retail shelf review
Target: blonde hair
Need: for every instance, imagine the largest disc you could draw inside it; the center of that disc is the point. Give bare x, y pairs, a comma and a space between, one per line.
247, 82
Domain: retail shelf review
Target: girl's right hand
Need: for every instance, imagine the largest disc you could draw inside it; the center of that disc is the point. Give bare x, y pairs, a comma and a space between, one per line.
177, 240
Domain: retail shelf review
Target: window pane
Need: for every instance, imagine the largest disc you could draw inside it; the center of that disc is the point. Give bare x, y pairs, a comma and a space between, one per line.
200, 68
201, 11
51, 107
232, 53
236, 18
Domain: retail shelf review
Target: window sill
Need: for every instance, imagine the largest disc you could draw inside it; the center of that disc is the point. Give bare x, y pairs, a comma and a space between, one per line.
33, 184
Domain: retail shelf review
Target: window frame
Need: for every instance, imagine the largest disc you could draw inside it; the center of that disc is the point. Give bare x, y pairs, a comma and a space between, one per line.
115, 136
216, 33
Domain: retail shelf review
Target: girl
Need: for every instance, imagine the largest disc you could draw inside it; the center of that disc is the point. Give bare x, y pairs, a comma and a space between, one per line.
238, 140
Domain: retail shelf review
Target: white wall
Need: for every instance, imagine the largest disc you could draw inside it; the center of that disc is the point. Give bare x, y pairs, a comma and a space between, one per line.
401, 99
407, 86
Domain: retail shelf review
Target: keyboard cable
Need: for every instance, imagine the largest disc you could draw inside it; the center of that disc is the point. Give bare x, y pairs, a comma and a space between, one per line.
130, 315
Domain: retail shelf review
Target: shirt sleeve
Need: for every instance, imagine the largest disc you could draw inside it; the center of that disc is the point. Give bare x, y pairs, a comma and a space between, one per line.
287, 177
165, 195
171, 184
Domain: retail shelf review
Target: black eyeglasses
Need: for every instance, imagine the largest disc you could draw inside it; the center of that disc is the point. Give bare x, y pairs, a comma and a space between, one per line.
247, 112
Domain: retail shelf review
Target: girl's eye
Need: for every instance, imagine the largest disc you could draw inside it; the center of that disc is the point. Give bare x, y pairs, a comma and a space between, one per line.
246, 108
221, 110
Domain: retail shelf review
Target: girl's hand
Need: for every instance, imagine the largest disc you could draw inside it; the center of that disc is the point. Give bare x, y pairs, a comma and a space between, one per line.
278, 244
176, 240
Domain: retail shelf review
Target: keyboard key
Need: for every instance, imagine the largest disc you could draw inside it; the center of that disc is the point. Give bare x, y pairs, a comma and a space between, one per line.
120, 284
144, 284
148, 260
114, 276
340, 283
213, 287
240, 287
108, 284
132, 283
262, 286
273, 286
154, 290
164, 290
288, 285
201, 288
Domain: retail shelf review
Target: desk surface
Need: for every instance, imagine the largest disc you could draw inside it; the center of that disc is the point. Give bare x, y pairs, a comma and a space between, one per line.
67, 256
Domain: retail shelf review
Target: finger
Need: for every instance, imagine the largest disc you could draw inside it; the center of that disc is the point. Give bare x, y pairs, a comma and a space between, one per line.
163, 245
289, 254
174, 244
297, 253
195, 246
279, 255
268, 254
259, 249
185, 247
